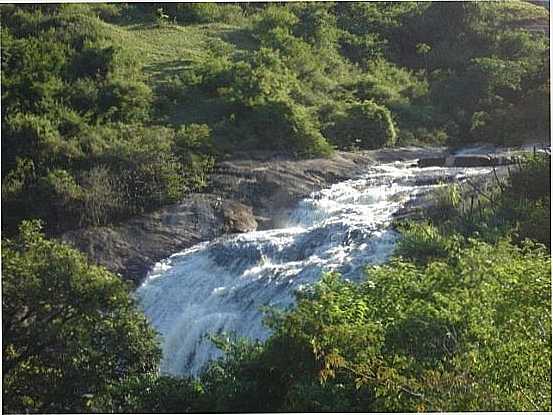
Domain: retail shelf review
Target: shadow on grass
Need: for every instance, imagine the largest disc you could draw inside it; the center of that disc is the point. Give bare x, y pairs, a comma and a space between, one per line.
239, 38
161, 71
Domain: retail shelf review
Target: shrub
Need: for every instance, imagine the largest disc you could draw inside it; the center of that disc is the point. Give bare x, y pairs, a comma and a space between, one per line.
316, 24
422, 136
365, 125
533, 180
150, 393
126, 101
93, 62
273, 17
283, 126
447, 201
84, 96
361, 49
149, 175
37, 138
193, 138
62, 194
526, 200
534, 222
423, 242
108, 12
464, 335
390, 85
207, 13
71, 330
264, 77
102, 200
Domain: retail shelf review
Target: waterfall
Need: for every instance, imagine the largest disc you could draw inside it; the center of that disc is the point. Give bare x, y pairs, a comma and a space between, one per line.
220, 285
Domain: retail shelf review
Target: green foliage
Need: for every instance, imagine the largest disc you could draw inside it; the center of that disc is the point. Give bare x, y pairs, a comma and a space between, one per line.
150, 393
422, 137
149, 174
205, 13
468, 335
532, 181
423, 242
365, 125
194, 137
517, 207
71, 329
69, 75
526, 199
447, 199
74, 110
361, 49
194, 144
485, 72
109, 110
126, 101
389, 84
264, 78
101, 199
316, 24
273, 17
230, 381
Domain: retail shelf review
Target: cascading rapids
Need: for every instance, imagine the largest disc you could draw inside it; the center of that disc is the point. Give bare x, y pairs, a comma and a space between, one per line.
220, 286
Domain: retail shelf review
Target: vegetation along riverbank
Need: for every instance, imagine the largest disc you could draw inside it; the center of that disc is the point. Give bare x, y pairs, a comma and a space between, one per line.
135, 130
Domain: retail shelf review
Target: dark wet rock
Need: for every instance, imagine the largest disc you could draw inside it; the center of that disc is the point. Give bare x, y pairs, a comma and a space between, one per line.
472, 161
428, 180
482, 160
273, 187
466, 160
133, 247
431, 162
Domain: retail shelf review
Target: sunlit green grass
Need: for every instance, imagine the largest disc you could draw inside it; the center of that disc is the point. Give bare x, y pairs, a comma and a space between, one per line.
164, 51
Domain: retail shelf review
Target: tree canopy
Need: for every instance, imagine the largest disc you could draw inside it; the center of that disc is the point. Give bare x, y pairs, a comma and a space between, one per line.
70, 330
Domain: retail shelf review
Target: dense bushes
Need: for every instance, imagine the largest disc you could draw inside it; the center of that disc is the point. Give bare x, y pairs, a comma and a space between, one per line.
469, 335
77, 147
128, 170
365, 125
517, 207
526, 200
71, 330
294, 78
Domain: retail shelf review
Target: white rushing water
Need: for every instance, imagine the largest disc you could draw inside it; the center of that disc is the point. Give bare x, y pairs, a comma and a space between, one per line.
220, 285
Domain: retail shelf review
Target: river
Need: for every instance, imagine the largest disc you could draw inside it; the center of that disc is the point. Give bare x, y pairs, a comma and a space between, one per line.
221, 285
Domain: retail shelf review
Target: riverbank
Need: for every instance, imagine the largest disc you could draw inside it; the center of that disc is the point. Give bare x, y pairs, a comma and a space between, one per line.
244, 194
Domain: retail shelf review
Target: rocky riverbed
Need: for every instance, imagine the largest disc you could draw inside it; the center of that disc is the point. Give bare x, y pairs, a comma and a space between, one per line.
244, 194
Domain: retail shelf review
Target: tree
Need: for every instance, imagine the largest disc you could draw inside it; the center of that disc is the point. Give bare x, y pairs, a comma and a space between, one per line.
364, 125
70, 329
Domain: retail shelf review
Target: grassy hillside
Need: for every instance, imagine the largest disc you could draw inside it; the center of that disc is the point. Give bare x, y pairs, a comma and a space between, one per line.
110, 110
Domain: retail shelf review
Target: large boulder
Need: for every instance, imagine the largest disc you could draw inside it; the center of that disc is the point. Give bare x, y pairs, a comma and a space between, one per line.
468, 160
473, 161
482, 161
131, 248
